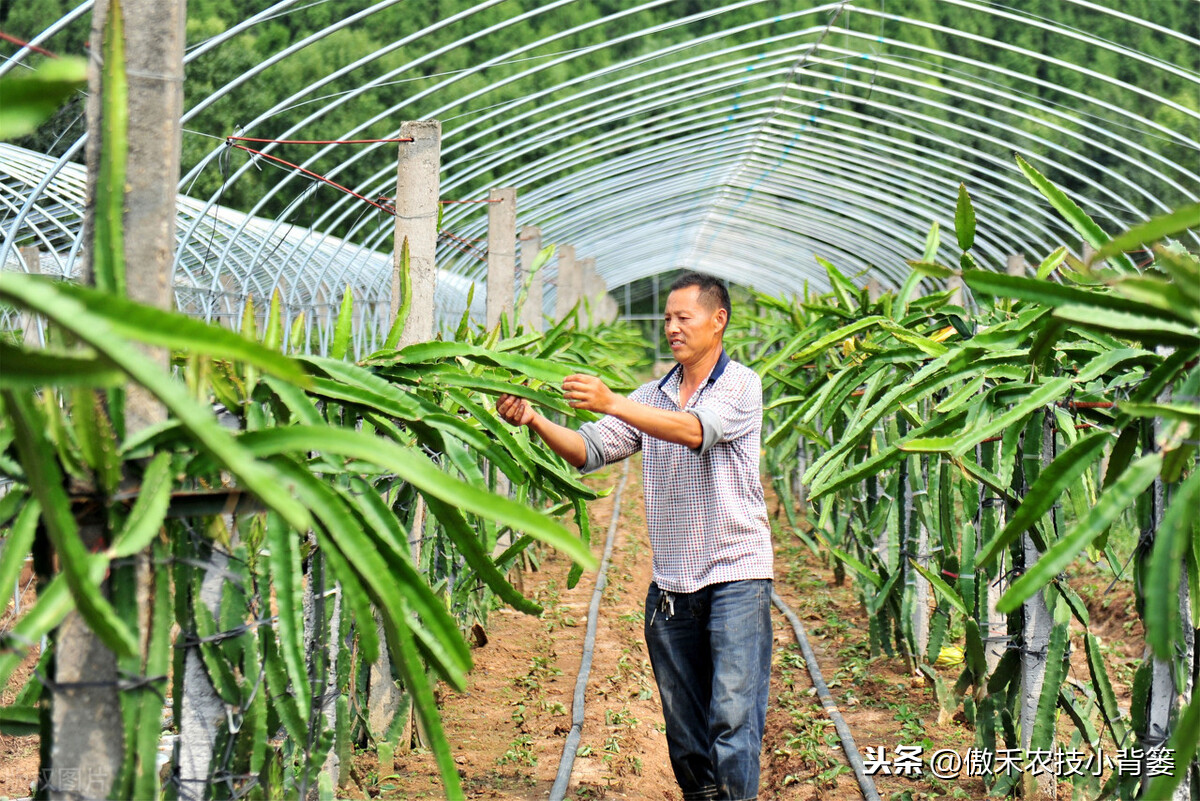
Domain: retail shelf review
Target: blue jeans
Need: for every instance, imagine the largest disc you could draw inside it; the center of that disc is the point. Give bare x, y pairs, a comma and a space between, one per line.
711, 653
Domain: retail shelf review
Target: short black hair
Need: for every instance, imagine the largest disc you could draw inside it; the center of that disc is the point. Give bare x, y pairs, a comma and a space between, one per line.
713, 293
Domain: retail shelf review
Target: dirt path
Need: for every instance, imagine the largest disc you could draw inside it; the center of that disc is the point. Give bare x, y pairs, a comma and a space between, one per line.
19, 755
509, 726
882, 703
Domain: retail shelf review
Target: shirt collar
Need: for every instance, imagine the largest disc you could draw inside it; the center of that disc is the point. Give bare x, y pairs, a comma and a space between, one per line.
717, 371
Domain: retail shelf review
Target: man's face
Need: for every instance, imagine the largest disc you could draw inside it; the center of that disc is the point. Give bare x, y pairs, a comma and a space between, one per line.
692, 328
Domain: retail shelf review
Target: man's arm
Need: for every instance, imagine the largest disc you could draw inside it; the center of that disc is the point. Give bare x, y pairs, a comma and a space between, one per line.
589, 392
566, 443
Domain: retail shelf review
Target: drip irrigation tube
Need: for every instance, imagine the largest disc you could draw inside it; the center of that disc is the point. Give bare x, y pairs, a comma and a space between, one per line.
567, 763
864, 781
559, 790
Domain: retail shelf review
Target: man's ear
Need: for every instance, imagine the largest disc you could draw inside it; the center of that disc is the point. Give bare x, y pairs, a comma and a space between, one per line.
721, 316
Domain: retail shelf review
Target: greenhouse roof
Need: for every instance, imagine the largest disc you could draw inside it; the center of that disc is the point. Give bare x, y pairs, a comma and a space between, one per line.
309, 269
740, 138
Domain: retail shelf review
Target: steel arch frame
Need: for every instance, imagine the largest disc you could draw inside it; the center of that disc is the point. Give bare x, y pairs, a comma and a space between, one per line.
798, 142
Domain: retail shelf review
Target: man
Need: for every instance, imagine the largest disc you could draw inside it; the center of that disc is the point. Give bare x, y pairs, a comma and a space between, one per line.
708, 621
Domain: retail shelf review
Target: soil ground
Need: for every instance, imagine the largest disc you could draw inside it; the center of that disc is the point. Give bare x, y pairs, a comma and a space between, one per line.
509, 725
19, 757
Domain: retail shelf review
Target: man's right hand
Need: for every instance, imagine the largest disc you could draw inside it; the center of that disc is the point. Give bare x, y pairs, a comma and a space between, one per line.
566, 443
514, 410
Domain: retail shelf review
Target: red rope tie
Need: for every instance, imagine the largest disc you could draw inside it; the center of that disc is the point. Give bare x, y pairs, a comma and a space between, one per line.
467, 251
312, 174
462, 238
466, 247
314, 141
1087, 404
22, 43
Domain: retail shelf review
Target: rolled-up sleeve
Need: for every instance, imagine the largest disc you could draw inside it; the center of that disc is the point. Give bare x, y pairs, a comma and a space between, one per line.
610, 439
712, 428
729, 410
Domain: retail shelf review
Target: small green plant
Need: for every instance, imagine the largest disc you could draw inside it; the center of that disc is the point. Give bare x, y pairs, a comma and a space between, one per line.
622, 718
791, 658
554, 613
912, 728
520, 752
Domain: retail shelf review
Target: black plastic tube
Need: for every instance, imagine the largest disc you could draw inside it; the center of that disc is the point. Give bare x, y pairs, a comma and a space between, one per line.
563, 779
856, 764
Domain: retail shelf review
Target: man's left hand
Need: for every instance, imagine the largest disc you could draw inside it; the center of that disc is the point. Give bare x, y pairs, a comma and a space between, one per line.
588, 392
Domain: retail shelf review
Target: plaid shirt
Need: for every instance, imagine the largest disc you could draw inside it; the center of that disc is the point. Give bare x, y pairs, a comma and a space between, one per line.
704, 508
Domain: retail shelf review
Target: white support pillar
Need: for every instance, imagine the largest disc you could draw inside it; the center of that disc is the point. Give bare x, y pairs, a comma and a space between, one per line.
567, 292
604, 308
417, 176
921, 610
1016, 264
587, 291
501, 255
955, 284
874, 289
87, 736
608, 305
531, 245
30, 328
417, 183
1037, 625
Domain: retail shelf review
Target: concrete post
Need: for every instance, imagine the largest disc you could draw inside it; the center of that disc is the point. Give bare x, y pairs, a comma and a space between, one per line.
417, 176
608, 305
1166, 698
604, 308
568, 282
1037, 624
154, 57
30, 329
501, 255
608, 308
588, 291
955, 284
417, 181
87, 735
531, 245
921, 611
1016, 264
203, 710
874, 289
